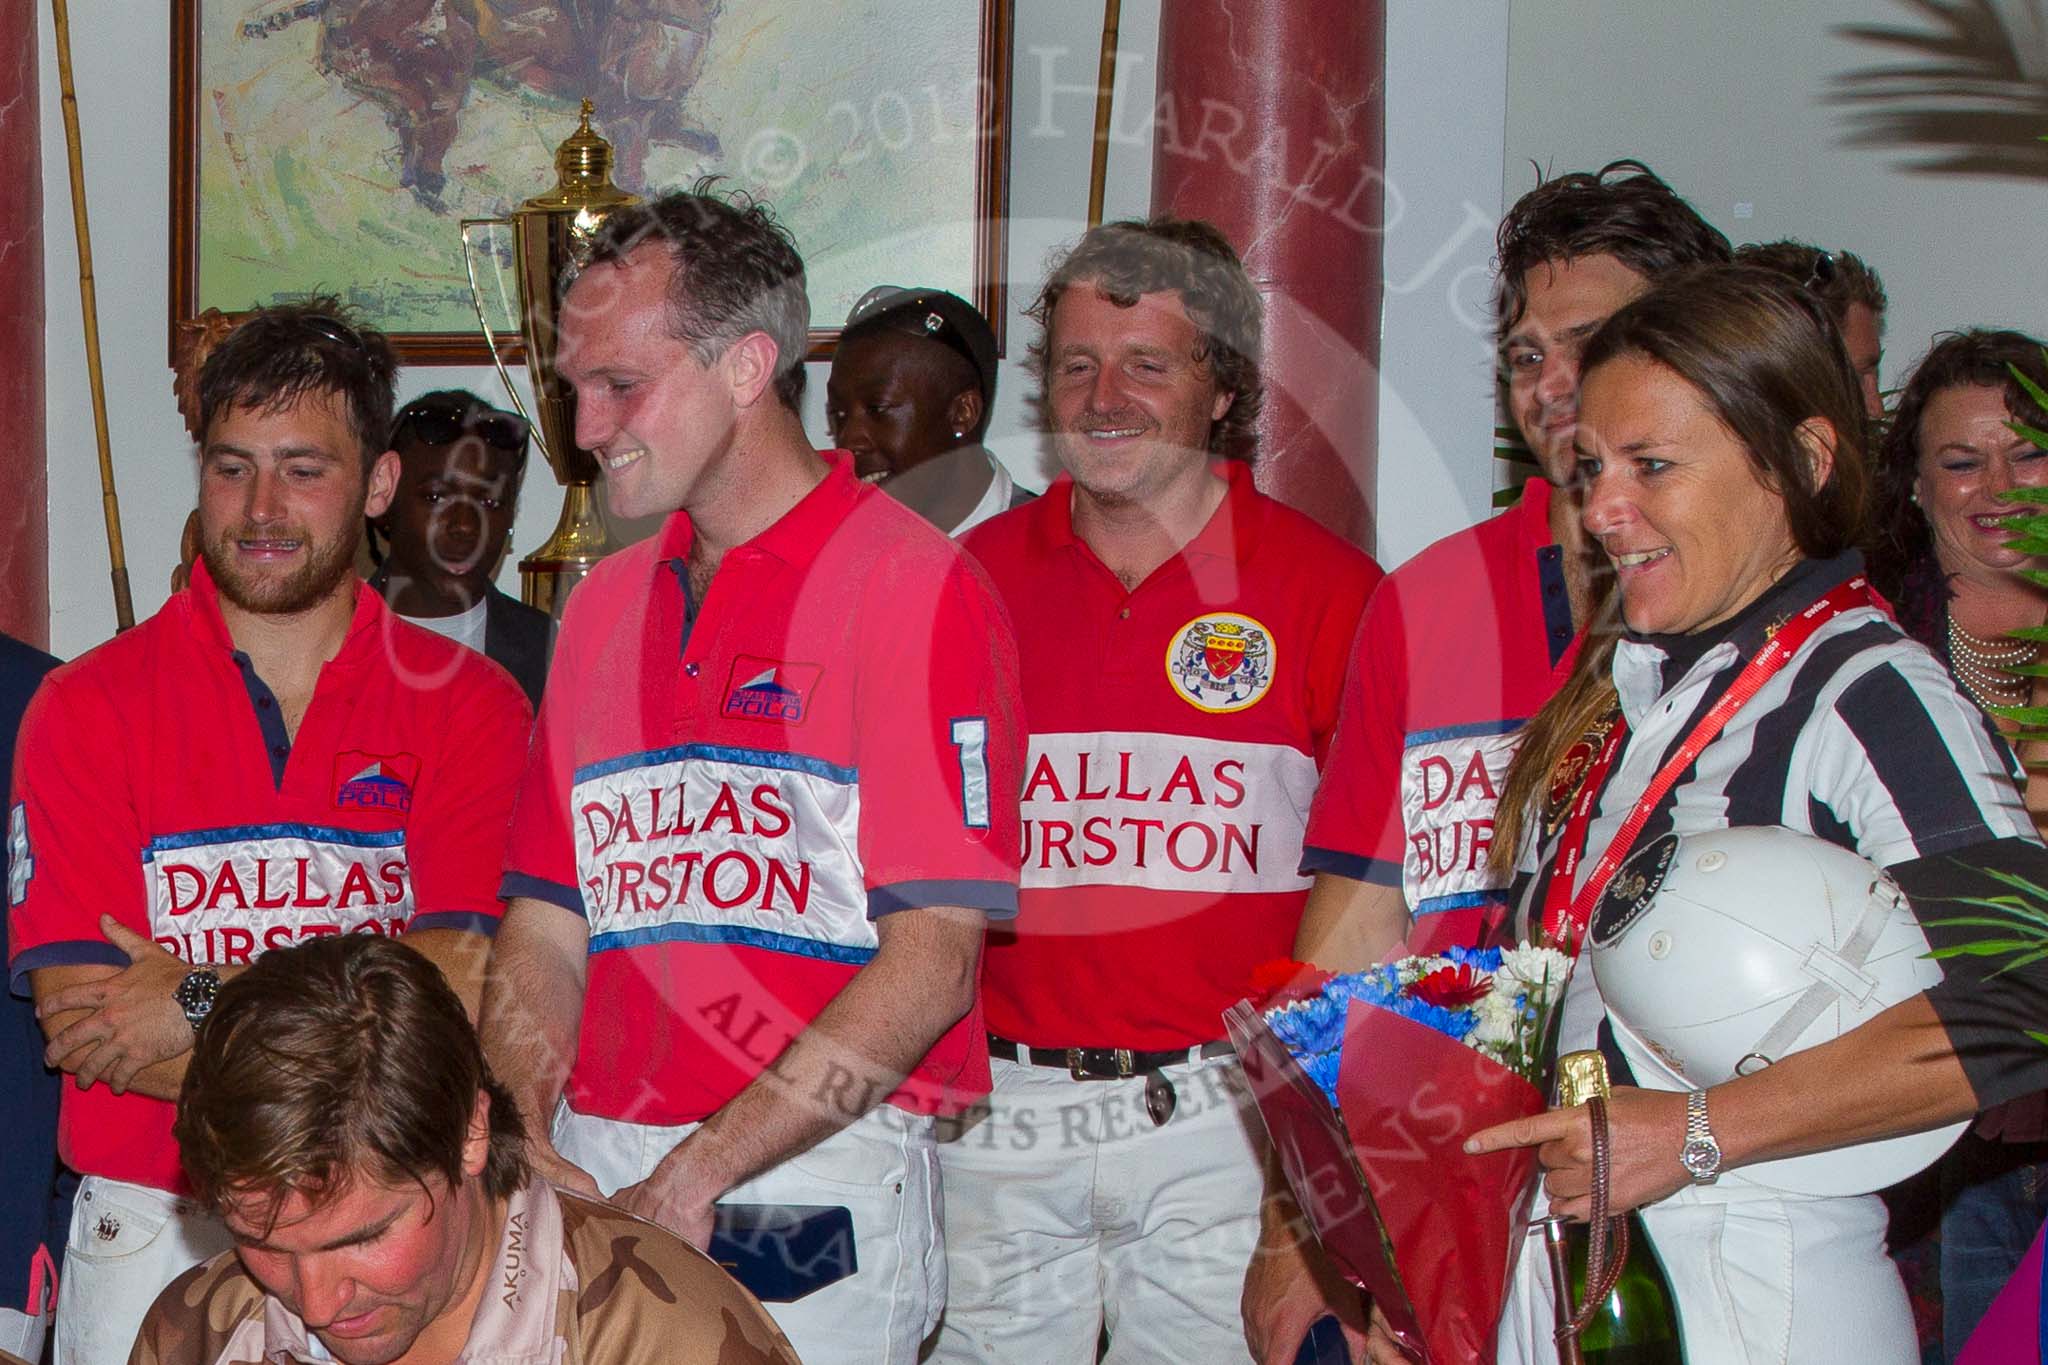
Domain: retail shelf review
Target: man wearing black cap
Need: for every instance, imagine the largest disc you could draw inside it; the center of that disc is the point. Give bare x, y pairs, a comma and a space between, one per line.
461, 462
912, 386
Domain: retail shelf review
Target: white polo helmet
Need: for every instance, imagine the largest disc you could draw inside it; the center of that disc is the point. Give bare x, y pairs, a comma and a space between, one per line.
1722, 952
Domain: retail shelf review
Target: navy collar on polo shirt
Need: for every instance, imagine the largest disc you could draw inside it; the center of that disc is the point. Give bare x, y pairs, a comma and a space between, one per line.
203, 602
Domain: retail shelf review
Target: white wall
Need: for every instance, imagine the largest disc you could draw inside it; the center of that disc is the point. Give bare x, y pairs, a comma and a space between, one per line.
1444, 115
1446, 104
1728, 101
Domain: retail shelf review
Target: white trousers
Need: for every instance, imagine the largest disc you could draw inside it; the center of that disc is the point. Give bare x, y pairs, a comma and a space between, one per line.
127, 1242
880, 1167
1068, 1210
1762, 1278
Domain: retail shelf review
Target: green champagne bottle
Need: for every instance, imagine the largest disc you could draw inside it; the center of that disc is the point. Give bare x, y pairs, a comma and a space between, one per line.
1638, 1324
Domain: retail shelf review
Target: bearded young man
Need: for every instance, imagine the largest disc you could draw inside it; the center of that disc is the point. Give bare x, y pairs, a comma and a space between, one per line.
269, 758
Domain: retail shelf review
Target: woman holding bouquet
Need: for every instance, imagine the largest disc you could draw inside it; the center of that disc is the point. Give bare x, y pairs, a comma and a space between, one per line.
1756, 681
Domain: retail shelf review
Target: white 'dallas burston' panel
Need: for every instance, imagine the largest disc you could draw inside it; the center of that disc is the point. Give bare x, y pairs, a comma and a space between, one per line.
1169, 812
723, 845
227, 895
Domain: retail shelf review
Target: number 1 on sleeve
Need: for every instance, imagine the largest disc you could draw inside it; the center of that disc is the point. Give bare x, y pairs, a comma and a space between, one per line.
970, 737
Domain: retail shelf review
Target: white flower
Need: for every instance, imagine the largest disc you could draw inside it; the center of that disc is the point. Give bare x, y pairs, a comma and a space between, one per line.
1412, 969
1498, 1021
1541, 971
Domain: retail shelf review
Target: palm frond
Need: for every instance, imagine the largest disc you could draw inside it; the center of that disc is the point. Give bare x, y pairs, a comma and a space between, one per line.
1974, 102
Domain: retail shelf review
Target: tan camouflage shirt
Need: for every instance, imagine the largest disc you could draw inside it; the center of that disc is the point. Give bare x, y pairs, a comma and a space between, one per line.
575, 1283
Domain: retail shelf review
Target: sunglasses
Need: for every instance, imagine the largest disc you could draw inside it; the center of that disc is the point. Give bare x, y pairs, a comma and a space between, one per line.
898, 304
443, 424
335, 330
1823, 273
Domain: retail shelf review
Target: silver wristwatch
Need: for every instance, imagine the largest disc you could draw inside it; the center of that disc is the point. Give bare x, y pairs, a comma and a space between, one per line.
195, 995
1701, 1155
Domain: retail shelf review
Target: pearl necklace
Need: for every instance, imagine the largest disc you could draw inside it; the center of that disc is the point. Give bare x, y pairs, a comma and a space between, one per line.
1984, 668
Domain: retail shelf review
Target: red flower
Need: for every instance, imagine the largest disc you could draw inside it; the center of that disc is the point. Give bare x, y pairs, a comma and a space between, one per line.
1452, 988
1283, 981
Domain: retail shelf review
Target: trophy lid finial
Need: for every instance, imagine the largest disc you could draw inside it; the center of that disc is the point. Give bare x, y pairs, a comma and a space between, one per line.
583, 169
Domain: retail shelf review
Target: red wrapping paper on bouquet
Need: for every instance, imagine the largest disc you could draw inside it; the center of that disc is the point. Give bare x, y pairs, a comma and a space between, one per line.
1403, 1212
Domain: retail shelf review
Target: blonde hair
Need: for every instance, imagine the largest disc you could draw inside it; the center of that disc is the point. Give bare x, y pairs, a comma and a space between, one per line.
1587, 695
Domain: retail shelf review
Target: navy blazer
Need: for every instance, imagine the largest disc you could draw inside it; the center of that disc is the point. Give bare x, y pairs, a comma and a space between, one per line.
30, 1210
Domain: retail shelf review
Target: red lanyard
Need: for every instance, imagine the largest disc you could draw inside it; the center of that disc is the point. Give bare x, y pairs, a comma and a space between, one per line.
1559, 905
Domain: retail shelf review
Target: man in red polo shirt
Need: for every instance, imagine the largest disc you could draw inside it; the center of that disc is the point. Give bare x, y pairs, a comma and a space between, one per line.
1184, 640
771, 799
271, 757
1464, 643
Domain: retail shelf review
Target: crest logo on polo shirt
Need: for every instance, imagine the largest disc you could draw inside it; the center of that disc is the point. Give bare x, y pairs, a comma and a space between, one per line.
367, 781
1221, 662
769, 689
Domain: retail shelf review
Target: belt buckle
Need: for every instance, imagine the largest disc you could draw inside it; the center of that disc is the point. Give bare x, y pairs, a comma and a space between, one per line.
1100, 1063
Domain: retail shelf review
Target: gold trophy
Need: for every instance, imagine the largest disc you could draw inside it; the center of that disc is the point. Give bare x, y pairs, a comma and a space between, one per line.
551, 237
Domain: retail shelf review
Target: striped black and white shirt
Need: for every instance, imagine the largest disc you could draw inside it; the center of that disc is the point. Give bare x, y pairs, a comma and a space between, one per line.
1863, 740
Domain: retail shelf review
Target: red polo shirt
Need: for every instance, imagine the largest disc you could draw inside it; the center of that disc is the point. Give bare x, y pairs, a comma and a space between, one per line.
1461, 645
732, 792
154, 782
1176, 733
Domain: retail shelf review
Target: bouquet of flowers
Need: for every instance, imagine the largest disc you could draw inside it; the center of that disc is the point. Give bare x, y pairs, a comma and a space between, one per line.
1369, 1083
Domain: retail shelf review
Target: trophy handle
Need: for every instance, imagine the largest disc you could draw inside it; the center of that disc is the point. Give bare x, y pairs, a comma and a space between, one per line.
476, 301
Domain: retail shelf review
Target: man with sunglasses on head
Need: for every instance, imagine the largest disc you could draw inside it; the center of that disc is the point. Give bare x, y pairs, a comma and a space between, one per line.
269, 758
1853, 293
460, 466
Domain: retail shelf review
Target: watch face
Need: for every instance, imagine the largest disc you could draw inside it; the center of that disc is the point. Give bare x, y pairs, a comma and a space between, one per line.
195, 995
1701, 1157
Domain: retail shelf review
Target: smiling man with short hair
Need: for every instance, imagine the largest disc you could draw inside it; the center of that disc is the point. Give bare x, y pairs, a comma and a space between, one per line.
1183, 637
771, 799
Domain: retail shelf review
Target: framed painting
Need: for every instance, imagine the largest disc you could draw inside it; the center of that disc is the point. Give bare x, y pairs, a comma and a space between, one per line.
337, 145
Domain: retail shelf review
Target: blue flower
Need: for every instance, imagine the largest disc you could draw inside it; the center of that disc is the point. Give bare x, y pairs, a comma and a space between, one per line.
1313, 1025
1313, 1030
1453, 1023
1478, 959
1322, 1069
1376, 986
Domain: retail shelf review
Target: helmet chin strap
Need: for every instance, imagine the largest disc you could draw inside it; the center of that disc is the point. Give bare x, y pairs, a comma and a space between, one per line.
1838, 975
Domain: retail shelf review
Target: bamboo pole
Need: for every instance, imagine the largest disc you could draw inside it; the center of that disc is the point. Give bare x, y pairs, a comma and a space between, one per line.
110, 501
1105, 90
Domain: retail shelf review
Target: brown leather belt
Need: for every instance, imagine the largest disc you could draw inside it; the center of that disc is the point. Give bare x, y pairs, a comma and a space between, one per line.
1103, 1063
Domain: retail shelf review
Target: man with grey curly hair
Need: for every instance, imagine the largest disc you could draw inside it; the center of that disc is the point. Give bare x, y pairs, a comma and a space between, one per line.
1183, 639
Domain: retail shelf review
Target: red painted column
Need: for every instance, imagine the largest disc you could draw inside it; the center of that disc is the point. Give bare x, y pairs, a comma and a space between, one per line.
24, 471
1271, 124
